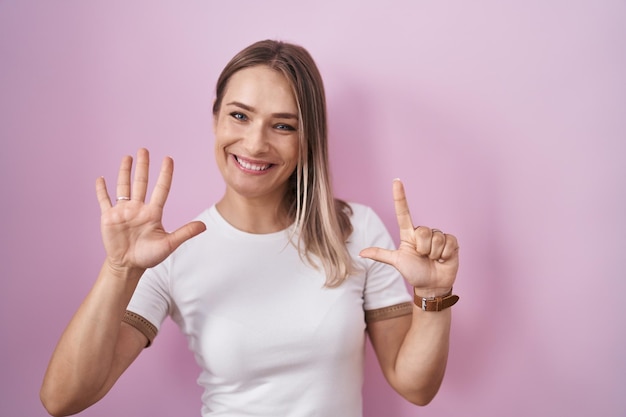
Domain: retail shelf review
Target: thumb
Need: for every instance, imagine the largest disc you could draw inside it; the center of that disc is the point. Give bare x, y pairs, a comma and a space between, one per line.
186, 232
378, 254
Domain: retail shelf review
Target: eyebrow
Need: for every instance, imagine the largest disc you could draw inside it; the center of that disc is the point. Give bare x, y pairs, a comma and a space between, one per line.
284, 115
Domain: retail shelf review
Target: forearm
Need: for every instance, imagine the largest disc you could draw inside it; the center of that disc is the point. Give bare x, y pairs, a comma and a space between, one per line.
79, 370
422, 357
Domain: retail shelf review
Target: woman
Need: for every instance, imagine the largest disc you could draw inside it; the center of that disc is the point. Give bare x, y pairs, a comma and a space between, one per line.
276, 285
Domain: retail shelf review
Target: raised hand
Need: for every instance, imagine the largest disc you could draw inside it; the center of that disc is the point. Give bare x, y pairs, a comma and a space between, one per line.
132, 230
427, 258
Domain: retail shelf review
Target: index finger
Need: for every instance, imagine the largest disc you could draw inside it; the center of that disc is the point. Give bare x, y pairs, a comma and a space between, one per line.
164, 181
402, 207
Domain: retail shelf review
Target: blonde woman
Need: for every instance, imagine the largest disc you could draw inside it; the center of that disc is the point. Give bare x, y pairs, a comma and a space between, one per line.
275, 286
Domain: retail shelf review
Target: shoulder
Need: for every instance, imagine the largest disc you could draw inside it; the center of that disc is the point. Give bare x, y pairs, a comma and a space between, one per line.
363, 216
207, 215
367, 227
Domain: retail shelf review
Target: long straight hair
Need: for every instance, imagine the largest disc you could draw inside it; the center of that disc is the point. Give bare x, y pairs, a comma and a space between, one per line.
322, 222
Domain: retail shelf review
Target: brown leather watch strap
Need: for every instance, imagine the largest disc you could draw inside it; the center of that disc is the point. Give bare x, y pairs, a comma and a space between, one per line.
435, 303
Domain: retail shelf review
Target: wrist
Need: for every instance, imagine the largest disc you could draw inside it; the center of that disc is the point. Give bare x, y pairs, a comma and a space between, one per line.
436, 300
121, 271
432, 292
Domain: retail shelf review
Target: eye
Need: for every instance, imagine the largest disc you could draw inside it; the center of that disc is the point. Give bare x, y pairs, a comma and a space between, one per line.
283, 126
239, 116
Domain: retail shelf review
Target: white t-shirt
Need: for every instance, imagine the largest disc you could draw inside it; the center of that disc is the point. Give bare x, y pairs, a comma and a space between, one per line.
270, 339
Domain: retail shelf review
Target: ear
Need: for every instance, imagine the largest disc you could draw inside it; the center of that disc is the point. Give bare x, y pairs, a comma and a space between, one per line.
215, 117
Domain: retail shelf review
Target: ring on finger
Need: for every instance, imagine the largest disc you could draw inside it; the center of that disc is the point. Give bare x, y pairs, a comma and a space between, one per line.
122, 198
436, 230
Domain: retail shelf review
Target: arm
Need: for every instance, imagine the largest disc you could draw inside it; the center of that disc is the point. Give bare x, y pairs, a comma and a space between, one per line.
96, 347
413, 350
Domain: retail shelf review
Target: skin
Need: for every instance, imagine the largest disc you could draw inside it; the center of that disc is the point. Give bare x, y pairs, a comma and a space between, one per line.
413, 350
96, 347
257, 125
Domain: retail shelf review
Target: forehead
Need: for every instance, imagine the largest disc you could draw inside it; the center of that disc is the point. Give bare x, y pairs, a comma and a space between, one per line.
260, 85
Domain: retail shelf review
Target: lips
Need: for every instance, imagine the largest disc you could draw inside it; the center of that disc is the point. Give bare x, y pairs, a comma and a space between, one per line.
251, 166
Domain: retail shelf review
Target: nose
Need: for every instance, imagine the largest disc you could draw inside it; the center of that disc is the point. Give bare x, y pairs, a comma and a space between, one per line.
255, 140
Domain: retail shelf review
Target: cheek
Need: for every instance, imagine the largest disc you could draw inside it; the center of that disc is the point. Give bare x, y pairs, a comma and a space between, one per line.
223, 134
296, 152
291, 147
290, 154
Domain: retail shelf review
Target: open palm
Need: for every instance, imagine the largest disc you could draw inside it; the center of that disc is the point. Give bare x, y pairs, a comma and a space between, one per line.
132, 230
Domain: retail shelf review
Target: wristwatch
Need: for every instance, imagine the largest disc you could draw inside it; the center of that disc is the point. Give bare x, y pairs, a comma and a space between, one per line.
435, 303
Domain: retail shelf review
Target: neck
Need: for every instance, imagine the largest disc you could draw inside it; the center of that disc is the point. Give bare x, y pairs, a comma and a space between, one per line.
254, 216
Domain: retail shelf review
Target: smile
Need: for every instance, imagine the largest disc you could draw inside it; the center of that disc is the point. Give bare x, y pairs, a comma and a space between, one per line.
251, 166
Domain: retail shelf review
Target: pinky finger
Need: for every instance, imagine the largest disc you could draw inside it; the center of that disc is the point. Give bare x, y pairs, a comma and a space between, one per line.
102, 194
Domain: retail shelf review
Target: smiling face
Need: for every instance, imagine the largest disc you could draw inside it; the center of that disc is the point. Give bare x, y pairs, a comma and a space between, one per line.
256, 135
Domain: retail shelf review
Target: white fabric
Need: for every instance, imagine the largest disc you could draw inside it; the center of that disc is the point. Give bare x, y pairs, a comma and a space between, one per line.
270, 338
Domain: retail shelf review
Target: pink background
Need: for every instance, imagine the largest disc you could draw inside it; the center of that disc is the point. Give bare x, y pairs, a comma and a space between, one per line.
506, 120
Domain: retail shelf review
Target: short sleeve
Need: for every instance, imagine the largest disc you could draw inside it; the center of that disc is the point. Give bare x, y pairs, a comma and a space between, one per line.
151, 302
385, 294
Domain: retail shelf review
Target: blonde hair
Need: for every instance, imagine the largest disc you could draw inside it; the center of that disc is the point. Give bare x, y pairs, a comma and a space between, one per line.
322, 221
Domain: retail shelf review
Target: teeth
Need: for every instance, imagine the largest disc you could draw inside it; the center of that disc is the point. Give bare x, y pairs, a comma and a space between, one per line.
252, 167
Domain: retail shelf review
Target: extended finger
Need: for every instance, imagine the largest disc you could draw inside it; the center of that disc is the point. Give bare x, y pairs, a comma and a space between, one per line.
186, 232
102, 194
403, 214
140, 180
378, 254
162, 187
123, 177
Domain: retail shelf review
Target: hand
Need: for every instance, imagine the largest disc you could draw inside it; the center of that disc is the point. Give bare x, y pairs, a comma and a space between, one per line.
427, 258
132, 231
